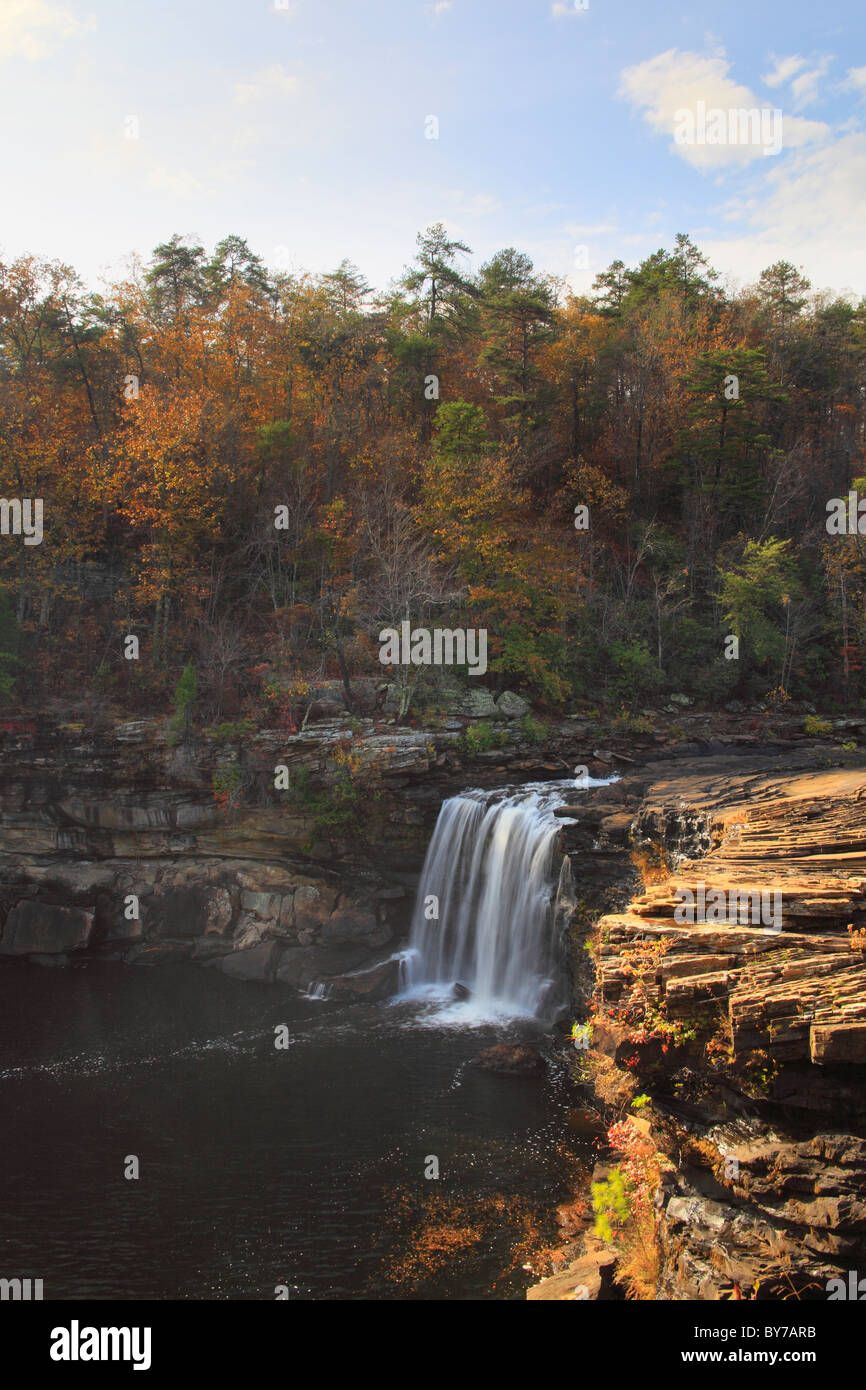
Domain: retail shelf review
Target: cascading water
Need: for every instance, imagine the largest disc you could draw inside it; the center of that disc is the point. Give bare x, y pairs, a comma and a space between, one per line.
491, 876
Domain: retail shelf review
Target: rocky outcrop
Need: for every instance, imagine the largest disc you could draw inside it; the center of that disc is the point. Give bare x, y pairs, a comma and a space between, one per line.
39, 928
121, 842
747, 1028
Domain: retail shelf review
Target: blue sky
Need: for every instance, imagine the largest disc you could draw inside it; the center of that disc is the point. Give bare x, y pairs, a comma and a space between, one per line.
303, 128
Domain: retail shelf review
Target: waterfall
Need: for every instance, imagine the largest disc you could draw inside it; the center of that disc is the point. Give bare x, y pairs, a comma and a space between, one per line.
486, 910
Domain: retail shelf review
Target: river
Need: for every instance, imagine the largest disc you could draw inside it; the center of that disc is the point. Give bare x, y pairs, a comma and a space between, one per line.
300, 1169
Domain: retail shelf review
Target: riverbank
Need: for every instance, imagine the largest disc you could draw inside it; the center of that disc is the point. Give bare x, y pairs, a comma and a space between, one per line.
729, 1056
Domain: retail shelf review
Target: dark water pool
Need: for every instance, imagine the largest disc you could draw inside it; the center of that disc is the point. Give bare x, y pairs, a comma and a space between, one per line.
260, 1167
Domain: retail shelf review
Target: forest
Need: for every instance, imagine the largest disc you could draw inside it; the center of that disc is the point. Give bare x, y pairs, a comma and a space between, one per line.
253, 472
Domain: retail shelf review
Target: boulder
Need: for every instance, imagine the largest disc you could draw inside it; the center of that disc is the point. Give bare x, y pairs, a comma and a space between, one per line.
616, 827
179, 912
379, 982
838, 1042
348, 926
217, 911
257, 963
306, 965
313, 904
45, 929
264, 906
479, 704
511, 706
588, 1278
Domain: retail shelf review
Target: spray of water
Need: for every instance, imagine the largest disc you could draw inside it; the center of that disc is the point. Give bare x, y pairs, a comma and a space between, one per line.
492, 874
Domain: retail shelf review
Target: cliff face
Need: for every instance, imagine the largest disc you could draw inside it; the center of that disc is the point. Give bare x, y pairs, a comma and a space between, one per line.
123, 844
747, 1032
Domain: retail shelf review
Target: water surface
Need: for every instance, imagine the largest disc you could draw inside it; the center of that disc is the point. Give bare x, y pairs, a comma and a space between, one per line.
258, 1167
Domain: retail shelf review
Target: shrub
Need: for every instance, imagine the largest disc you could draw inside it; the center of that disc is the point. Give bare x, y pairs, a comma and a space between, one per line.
226, 785
480, 738
624, 1212
611, 1202
236, 732
815, 726
185, 697
534, 730
635, 673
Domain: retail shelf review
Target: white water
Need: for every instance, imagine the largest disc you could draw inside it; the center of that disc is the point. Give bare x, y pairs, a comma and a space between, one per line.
492, 864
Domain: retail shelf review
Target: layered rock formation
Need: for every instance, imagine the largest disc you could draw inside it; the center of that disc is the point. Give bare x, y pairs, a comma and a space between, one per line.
748, 1034
124, 843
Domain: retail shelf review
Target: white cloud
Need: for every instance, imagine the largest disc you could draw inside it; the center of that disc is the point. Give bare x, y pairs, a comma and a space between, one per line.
784, 70
596, 229
805, 87
855, 80
811, 211
675, 82
559, 10
268, 84
441, 6
33, 29
470, 204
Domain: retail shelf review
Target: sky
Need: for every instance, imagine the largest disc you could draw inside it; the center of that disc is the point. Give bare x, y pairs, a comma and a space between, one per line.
324, 129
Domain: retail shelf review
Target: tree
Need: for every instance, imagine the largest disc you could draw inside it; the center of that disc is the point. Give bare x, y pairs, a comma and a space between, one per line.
725, 442
517, 313
231, 262
445, 293
347, 289
176, 279
756, 596
185, 697
782, 292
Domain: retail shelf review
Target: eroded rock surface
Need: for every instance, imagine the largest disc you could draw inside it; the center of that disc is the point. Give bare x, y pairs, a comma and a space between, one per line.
749, 1036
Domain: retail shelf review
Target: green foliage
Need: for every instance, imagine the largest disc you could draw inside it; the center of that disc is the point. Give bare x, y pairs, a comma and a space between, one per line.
227, 785
334, 811
536, 658
635, 674
185, 697
233, 731
612, 1204
534, 730
300, 792
624, 722
817, 727
460, 432
755, 595
639, 1102
10, 639
480, 738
